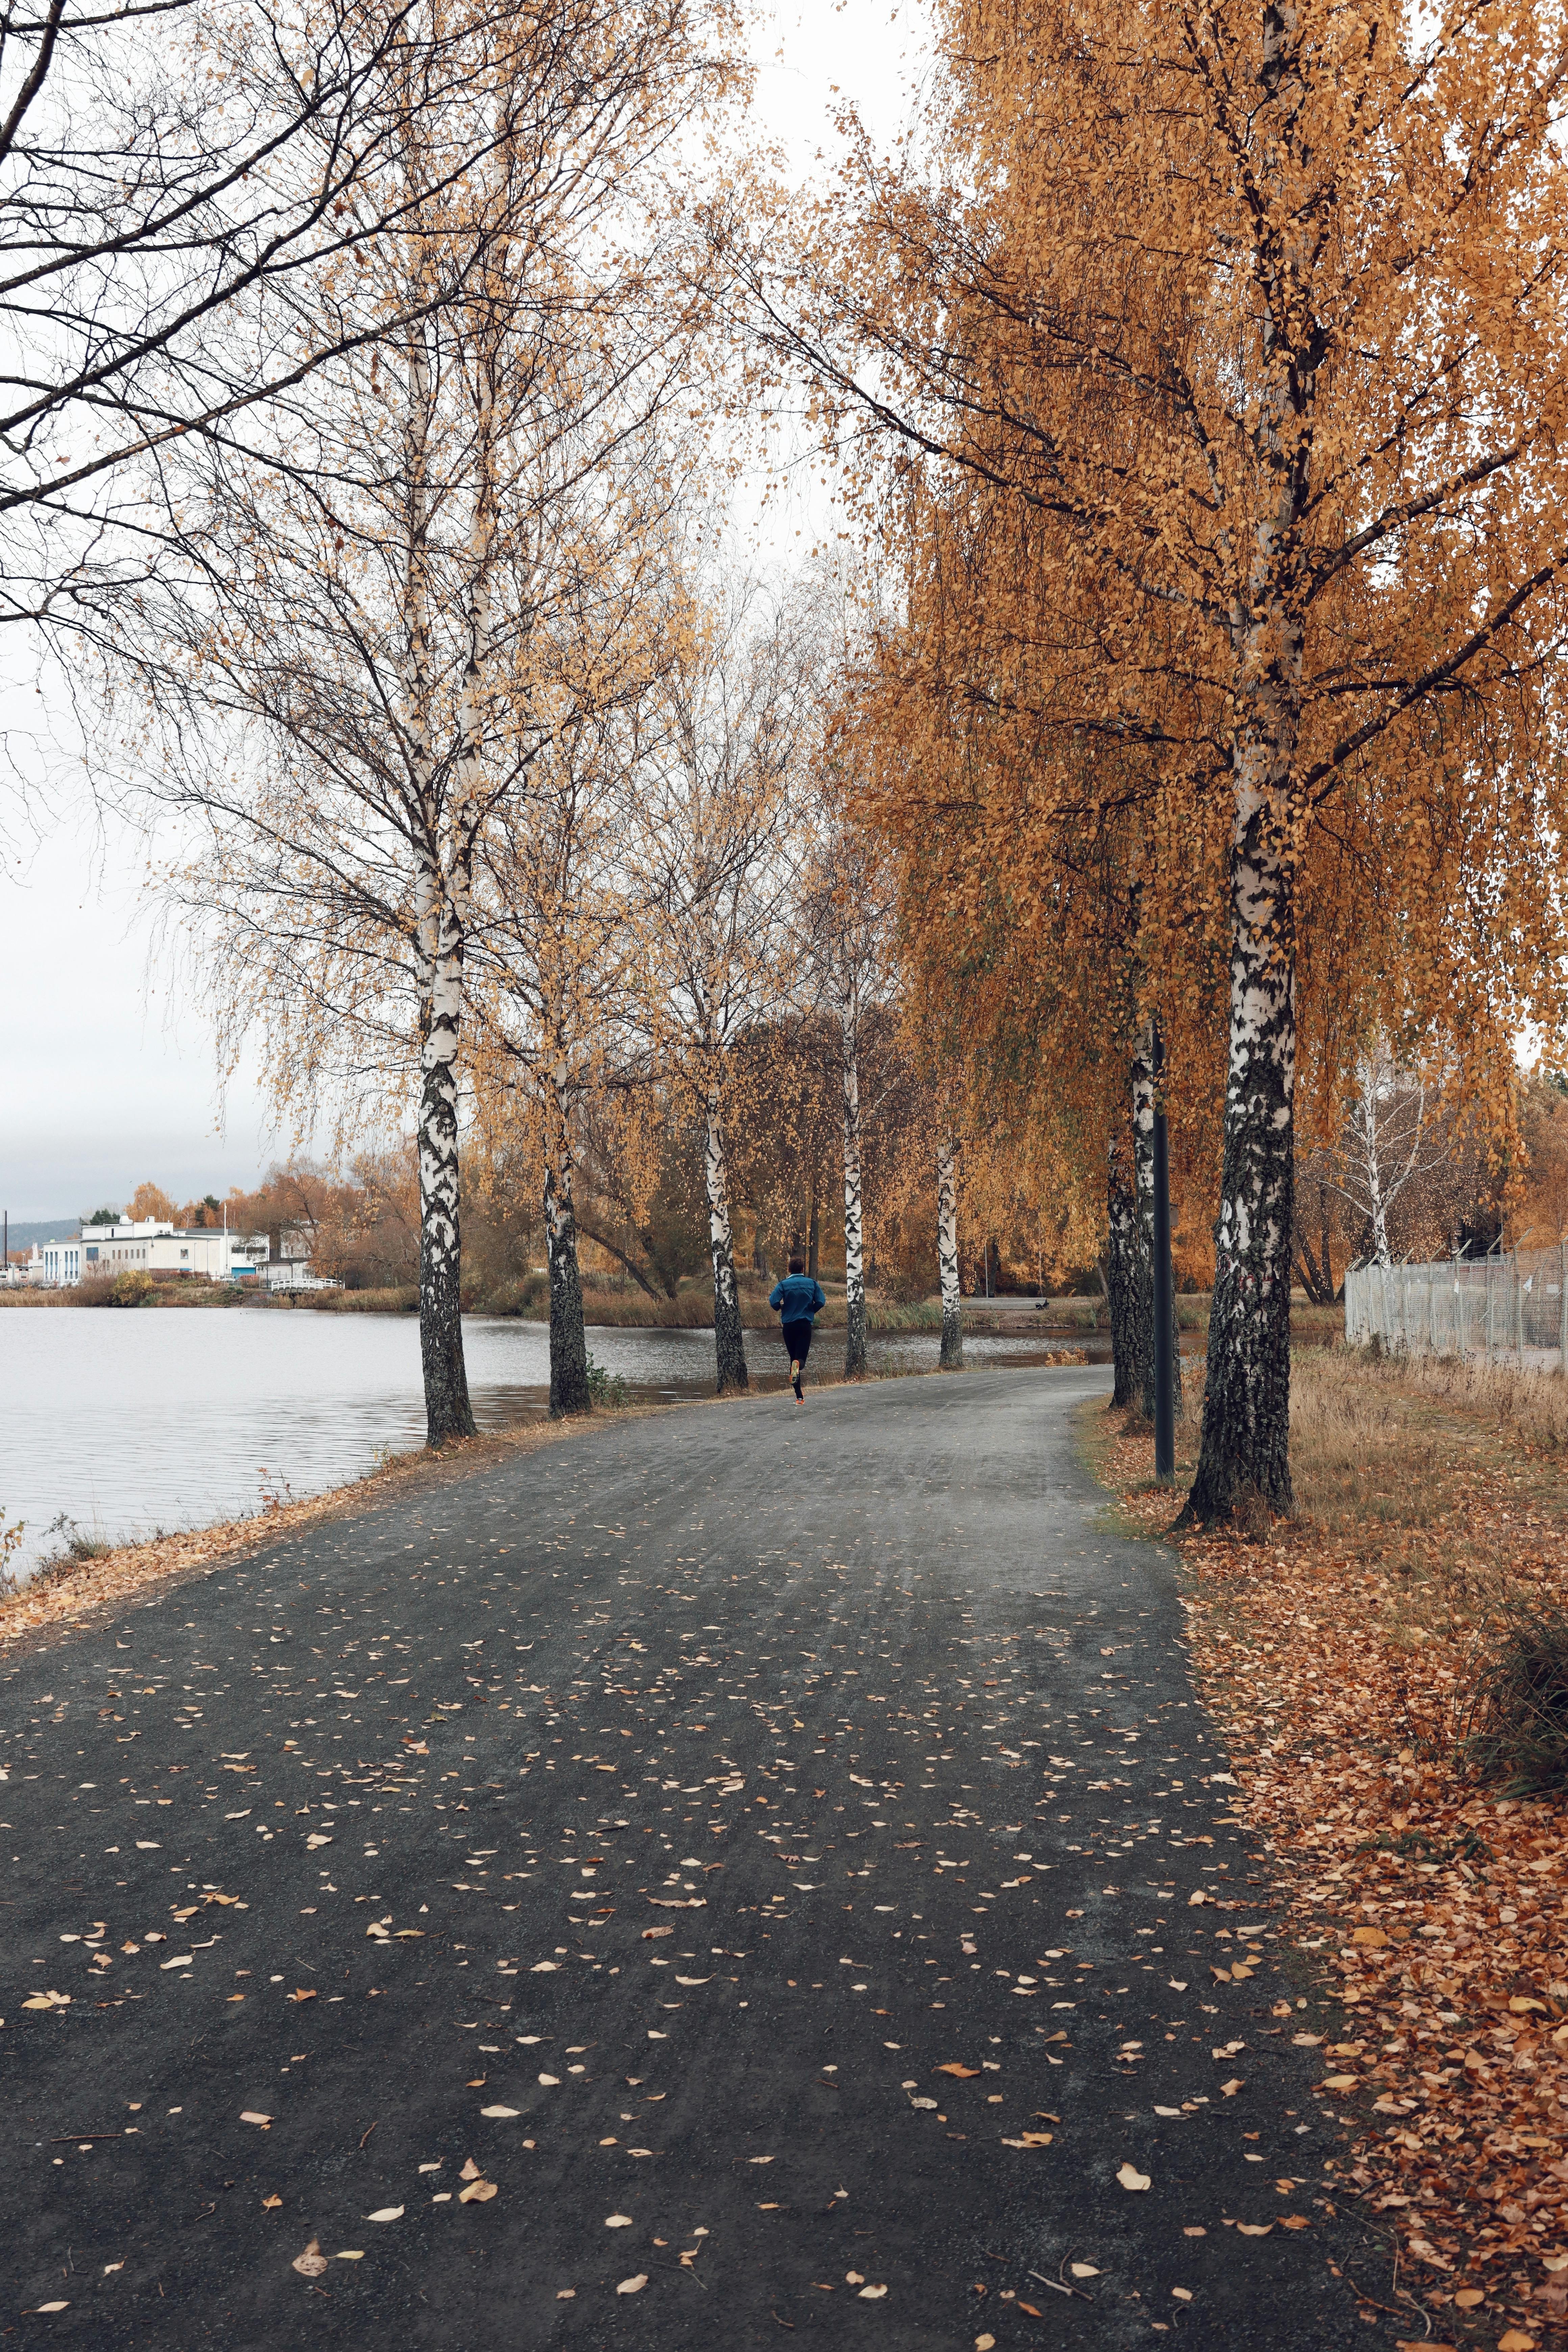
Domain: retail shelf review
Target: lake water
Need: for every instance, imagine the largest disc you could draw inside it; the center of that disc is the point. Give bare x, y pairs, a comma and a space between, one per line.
131, 1422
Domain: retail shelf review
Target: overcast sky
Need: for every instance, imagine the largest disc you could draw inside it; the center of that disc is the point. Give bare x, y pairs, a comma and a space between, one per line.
108, 1066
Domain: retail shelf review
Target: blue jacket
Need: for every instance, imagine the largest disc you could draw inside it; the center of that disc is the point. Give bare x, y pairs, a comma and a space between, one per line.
799, 1298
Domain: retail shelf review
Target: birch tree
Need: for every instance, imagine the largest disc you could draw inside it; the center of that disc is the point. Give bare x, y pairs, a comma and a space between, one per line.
719, 781
432, 514
1402, 1169
1258, 313
561, 944
950, 1357
847, 907
1145, 1080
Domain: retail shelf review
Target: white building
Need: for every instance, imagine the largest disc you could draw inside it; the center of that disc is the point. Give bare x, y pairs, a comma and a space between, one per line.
204, 1253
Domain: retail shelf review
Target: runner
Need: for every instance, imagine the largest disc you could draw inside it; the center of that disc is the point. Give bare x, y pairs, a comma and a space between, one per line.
796, 1300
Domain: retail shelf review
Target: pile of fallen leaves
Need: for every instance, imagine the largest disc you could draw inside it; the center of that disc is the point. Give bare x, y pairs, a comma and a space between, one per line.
1436, 1909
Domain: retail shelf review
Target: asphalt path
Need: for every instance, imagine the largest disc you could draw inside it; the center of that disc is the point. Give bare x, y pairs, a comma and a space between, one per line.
776, 1876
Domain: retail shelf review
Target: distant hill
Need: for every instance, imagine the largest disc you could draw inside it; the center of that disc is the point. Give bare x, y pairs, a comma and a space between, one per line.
41, 1229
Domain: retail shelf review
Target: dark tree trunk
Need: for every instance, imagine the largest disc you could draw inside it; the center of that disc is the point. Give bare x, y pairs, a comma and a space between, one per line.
1142, 1075
448, 1412
1122, 1289
1317, 1274
569, 1391
814, 1237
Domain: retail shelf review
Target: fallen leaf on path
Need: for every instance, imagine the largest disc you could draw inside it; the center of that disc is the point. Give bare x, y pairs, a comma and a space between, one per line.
1083, 2270
632, 2285
271, 2204
963, 2074
1131, 2178
500, 2111
1469, 2297
649, 1934
478, 2192
1228, 2090
349, 2254
304, 1992
1515, 2340
617, 2220
470, 2170
386, 2213
1340, 2082
1294, 2221
872, 2294
1254, 2229
247, 2117
312, 2263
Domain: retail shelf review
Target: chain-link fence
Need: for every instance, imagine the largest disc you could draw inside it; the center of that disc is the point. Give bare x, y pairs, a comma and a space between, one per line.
1514, 1306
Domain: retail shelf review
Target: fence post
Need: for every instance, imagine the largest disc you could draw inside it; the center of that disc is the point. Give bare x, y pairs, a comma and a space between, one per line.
1459, 1306
1432, 1309
1518, 1313
1563, 1306
1489, 1266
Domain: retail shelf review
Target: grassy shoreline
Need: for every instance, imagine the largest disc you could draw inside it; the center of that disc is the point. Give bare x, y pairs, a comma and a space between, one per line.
623, 1310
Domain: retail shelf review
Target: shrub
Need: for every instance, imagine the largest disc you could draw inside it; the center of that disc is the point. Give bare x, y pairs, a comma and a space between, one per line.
604, 1389
133, 1289
1515, 1727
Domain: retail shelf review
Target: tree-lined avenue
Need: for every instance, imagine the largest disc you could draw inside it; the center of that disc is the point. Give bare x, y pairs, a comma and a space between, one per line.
664, 1811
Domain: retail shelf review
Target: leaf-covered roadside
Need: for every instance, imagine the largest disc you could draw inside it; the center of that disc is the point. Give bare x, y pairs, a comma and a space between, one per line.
1339, 1668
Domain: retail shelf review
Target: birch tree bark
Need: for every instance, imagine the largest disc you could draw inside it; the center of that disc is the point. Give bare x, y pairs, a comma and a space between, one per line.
438, 954
729, 1339
1245, 1451
708, 840
854, 1234
448, 1412
569, 1391
951, 1358
1141, 1327
1129, 1351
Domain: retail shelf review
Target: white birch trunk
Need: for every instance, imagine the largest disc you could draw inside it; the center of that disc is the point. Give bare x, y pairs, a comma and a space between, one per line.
1143, 1266
951, 1356
728, 1342
1245, 1452
1127, 1350
438, 964
569, 1391
854, 1231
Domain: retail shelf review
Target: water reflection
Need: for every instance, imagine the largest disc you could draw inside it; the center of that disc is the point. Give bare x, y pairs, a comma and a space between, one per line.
130, 1422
